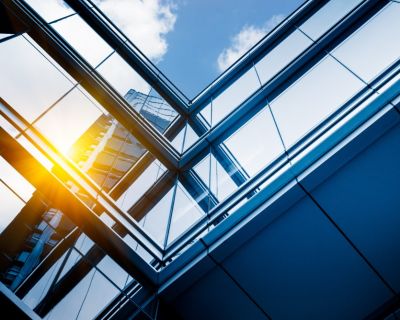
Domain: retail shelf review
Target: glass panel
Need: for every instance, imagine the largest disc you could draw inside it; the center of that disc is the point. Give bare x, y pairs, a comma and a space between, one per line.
156, 220
190, 138
39, 290
373, 47
156, 110
312, 98
85, 300
113, 271
206, 115
327, 16
257, 143
234, 95
281, 55
177, 143
29, 81
141, 185
137, 92
11, 205
144, 23
83, 39
69, 119
185, 139
126, 81
50, 9
16, 181
215, 176
185, 212
14, 192
122, 77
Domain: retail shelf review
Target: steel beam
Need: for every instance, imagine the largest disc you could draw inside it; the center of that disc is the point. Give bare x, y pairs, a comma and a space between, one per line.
87, 220
110, 33
89, 79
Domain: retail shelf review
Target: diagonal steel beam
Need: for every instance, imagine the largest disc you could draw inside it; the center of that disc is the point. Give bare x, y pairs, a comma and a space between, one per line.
281, 81
131, 54
83, 73
61, 197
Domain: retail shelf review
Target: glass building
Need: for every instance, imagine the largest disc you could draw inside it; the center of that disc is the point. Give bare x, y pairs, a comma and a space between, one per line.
272, 194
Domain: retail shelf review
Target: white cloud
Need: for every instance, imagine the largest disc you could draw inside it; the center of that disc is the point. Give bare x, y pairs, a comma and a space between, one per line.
145, 22
244, 40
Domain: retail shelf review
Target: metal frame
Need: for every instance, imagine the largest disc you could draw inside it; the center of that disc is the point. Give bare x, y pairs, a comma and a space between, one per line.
84, 217
159, 146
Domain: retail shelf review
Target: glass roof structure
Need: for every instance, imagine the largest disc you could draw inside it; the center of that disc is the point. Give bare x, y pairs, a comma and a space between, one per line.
111, 177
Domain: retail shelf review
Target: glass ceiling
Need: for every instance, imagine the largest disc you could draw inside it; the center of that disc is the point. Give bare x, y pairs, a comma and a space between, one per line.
155, 167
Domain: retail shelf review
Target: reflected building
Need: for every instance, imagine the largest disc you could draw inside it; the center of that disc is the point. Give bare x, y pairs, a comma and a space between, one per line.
106, 151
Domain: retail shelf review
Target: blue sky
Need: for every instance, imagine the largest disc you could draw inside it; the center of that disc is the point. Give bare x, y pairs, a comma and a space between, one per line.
191, 41
203, 29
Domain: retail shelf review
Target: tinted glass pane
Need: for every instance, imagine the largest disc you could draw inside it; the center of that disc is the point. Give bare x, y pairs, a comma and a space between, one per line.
185, 212
141, 185
327, 16
156, 220
374, 47
29, 80
69, 119
281, 55
215, 177
234, 95
122, 77
50, 9
256, 144
11, 205
312, 98
83, 39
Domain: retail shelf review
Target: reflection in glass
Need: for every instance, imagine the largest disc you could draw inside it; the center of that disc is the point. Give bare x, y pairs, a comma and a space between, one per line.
83, 39
141, 185
50, 9
121, 76
30, 83
11, 205
312, 98
156, 220
234, 95
215, 177
256, 143
185, 212
327, 16
281, 55
69, 119
374, 46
